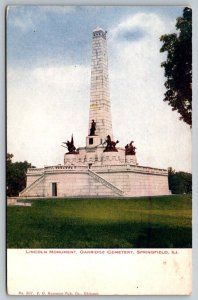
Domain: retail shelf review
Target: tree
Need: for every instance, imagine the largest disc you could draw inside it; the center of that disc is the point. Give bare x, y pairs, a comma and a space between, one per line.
178, 66
179, 182
15, 175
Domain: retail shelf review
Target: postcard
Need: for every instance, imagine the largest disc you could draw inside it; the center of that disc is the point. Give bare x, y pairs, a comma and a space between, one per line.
99, 177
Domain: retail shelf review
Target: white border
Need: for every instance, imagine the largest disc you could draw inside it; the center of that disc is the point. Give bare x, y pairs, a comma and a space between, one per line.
194, 6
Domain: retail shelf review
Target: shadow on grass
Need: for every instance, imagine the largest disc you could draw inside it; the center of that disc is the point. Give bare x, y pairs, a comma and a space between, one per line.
160, 222
123, 235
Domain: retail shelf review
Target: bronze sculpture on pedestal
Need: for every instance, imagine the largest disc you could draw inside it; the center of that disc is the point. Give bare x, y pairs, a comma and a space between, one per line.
111, 145
93, 128
70, 146
130, 149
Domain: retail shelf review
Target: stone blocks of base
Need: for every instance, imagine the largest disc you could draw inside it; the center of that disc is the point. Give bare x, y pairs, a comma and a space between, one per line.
93, 172
96, 155
77, 181
93, 141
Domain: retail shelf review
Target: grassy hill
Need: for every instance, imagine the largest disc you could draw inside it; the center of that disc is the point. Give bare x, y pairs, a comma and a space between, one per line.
150, 222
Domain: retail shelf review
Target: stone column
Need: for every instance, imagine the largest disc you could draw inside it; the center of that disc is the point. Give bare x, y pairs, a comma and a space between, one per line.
100, 108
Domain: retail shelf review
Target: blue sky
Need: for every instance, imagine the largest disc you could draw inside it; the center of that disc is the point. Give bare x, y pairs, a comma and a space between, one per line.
48, 78
37, 34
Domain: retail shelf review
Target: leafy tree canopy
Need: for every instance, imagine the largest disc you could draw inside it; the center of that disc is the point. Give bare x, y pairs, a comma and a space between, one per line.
15, 175
178, 66
179, 182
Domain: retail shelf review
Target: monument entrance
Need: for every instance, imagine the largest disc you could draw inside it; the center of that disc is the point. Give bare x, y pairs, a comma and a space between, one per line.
54, 189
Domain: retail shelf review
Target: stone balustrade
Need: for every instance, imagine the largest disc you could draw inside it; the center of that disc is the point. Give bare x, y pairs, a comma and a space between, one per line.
35, 171
65, 167
127, 167
98, 168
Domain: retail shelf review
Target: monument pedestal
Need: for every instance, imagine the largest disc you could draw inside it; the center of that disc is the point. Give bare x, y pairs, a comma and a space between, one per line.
111, 158
93, 141
70, 159
131, 159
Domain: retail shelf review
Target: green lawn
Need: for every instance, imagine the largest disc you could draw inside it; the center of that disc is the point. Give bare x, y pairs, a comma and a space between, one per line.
150, 222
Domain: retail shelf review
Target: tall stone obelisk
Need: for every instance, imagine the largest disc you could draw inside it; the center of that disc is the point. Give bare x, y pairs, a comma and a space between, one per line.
100, 106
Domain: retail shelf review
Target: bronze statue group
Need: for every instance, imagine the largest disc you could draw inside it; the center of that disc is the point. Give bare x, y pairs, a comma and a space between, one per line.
110, 145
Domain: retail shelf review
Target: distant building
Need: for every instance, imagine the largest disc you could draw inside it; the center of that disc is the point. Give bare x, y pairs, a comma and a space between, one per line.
101, 168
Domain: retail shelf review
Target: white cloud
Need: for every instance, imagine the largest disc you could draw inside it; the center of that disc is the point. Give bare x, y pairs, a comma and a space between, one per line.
137, 92
46, 105
149, 22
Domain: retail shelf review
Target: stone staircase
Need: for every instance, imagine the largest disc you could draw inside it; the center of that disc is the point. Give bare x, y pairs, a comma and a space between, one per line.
32, 185
105, 182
